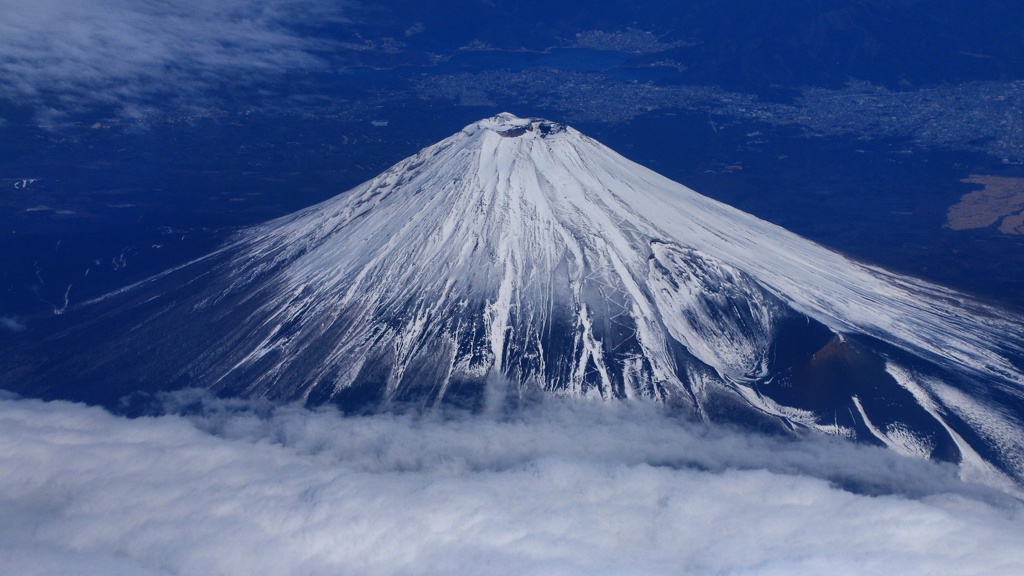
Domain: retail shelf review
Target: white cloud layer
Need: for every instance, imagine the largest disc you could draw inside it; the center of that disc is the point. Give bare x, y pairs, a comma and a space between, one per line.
63, 53
561, 489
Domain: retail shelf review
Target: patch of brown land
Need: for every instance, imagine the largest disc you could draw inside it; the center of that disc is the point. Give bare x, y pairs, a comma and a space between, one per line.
1000, 200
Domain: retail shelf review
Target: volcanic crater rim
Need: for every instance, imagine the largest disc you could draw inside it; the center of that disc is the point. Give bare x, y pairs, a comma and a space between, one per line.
509, 125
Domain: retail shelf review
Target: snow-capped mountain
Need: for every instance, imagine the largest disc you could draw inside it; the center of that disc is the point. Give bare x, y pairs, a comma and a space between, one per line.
520, 257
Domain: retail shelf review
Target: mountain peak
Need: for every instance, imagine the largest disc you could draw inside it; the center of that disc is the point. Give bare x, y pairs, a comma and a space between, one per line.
511, 126
519, 257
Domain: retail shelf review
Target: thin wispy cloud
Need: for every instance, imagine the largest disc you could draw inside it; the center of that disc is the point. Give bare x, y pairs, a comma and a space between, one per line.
65, 54
242, 488
11, 324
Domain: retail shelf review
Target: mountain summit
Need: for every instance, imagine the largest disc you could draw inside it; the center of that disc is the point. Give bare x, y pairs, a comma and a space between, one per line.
519, 257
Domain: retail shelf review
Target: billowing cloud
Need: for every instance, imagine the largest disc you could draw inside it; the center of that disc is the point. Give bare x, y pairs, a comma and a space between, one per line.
65, 53
244, 488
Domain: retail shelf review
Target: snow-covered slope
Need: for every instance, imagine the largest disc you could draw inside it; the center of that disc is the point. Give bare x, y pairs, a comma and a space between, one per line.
519, 256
